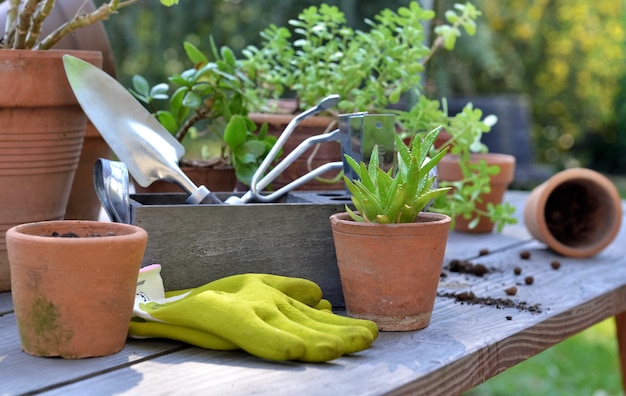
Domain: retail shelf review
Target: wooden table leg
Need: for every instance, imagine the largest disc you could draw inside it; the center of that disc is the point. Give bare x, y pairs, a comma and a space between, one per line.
620, 322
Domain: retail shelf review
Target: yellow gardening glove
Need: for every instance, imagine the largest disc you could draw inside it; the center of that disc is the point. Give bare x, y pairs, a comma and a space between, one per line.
269, 316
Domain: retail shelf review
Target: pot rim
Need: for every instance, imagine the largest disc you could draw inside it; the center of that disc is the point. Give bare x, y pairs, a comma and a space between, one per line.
450, 170
342, 221
597, 182
35, 231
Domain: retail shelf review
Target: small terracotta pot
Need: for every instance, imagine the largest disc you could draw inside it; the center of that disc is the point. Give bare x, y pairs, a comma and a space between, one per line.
450, 170
390, 272
73, 296
576, 212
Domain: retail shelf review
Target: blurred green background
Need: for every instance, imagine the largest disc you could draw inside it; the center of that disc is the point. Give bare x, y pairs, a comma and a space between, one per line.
565, 57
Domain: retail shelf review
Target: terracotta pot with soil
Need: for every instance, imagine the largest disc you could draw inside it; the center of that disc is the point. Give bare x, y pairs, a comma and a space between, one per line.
318, 155
390, 272
450, 170
41, 136
73, 285
577, 212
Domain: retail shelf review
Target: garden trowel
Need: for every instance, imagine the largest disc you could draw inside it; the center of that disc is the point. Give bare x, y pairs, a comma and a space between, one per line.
149, 151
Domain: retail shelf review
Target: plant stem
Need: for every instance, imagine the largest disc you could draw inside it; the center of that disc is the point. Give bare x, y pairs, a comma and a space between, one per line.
41, 14
184, 129
23, 24
10, 21
99, 14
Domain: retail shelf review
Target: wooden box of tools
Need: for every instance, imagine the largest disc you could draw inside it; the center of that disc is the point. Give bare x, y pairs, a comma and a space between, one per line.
196, 244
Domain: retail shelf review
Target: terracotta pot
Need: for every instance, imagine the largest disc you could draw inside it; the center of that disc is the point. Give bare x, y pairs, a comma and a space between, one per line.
41, 138
215, 178
326, 152
577, 212
450, 170
390, 273
73, 296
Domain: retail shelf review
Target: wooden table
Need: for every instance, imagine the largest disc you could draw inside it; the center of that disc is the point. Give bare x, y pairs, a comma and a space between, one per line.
465, 345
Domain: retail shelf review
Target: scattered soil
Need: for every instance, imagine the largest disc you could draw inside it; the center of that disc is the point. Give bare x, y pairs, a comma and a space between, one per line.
524, 254
467, 267
517, 270
555, 264
511, 291
529, 280
499, 303
68, 234
71, 234
483, 252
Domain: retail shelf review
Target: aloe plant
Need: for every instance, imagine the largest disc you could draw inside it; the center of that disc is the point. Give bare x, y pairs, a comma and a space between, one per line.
398, 194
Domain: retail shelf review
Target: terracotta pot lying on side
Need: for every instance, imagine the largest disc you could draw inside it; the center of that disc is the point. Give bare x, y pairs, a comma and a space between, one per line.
577, 212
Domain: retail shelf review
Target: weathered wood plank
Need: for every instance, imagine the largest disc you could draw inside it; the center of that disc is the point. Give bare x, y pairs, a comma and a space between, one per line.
21, 373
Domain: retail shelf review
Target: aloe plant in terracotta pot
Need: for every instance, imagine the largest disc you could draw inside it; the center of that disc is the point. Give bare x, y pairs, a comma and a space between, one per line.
390, 252
42, 135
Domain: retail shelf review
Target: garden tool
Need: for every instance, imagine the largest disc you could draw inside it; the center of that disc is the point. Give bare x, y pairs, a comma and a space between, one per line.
358, 133
259, 181
149, 151
269, 316
110, 179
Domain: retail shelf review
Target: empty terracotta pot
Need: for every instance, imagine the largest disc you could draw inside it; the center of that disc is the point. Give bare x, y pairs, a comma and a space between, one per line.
576, 212
390, 272
73, 285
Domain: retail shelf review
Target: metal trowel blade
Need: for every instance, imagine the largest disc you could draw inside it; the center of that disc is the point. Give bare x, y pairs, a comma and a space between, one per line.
135, 136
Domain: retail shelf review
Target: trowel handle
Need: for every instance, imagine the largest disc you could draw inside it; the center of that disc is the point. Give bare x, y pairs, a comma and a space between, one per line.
204, 196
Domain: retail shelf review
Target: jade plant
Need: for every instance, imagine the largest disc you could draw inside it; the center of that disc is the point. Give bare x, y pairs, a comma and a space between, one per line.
369, 69
209, 98
25, 19
399, 194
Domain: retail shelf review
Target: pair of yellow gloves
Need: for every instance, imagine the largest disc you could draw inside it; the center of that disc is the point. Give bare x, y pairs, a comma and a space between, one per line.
269, 316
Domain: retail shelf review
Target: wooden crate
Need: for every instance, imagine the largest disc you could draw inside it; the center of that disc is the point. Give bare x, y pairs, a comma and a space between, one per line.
196, 244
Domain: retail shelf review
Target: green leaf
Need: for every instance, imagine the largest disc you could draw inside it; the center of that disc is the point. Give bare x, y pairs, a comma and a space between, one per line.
192, 100
235, 132
168, 121
194, 54
141, 86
